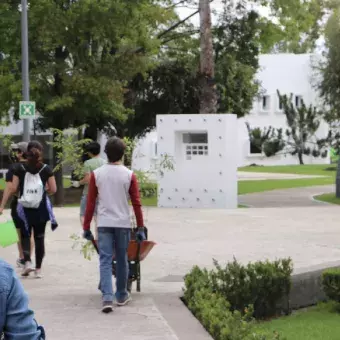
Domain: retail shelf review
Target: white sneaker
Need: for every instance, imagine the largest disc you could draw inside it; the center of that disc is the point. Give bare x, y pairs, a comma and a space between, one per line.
38, 274
27, 269
20, 263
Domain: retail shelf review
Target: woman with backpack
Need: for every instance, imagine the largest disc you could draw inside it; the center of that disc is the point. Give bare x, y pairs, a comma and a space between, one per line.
34, 180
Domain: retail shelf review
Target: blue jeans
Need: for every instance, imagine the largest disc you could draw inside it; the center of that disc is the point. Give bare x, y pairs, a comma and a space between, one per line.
113, 241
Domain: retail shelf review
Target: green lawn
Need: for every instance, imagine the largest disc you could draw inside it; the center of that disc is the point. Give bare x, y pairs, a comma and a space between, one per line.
330, 198
67, 183
316, 323
314, 169
247, 187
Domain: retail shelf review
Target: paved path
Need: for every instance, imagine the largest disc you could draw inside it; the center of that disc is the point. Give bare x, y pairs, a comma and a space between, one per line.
261, 176
297, 197
67, 302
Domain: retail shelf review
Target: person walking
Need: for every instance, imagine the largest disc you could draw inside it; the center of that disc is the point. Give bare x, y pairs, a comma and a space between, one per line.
34, 180
113, 185
16, 319
93, 151
18, 157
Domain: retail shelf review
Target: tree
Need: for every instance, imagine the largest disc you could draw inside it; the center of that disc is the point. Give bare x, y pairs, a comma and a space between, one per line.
208, 97
80, 66
173, 86
300, 136
292, 26
236, 47
329, 83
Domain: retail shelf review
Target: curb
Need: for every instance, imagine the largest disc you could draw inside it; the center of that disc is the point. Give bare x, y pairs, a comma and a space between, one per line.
179, 317
312, 198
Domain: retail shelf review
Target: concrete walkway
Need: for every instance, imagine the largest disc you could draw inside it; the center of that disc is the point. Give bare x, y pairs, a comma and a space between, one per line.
297, 197
68, 304
261, 176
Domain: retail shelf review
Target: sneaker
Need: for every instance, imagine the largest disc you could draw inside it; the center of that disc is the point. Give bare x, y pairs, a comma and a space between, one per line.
125, 301
37, 274
28, 268
20, 263
107, 307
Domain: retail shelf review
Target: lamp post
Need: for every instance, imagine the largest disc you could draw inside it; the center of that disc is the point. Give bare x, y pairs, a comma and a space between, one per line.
24, 66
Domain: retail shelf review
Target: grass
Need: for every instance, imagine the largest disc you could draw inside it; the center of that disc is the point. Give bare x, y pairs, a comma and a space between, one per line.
310, 169
316, 323
247, 187
329, 198
67, 183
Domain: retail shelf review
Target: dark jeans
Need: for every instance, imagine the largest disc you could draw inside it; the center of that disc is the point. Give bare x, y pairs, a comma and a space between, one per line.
39, 241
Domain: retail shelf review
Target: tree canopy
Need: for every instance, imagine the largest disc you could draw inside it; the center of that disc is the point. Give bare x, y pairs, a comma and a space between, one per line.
82, 54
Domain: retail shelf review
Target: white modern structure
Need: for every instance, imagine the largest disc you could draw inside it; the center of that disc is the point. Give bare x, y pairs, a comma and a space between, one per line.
201, 150
288, 73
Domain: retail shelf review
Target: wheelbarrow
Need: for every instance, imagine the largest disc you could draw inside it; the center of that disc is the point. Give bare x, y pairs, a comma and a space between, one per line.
137, 252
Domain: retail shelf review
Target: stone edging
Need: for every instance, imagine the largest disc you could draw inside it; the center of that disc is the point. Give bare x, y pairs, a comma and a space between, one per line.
306, 286
316, 200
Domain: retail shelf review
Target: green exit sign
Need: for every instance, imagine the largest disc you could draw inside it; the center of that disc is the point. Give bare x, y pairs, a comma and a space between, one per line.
26, 110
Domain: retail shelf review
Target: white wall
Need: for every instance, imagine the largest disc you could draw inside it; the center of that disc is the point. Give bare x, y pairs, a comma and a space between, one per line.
288, 73
204, 173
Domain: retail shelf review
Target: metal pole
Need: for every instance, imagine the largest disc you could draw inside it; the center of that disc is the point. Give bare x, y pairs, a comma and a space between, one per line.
24, 66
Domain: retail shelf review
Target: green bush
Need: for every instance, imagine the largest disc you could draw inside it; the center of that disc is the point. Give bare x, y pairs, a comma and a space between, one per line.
331, 283
146, 188
264, 285
213, 310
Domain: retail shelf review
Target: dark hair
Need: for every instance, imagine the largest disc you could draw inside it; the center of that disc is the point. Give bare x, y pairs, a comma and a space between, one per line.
93, 147
34, 154
115, 149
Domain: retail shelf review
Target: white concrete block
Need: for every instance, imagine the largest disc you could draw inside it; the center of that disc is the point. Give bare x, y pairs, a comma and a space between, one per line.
205, 170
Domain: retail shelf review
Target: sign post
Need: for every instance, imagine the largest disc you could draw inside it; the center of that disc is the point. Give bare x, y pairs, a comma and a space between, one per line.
27, 110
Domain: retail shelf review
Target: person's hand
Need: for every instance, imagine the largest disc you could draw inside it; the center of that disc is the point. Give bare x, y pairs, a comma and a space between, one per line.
140, 234
75, 184
88, 235
54, 226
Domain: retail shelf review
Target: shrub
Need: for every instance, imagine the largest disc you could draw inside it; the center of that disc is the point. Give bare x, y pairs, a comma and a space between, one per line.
146, 188
264, 285
331, 283
213, 310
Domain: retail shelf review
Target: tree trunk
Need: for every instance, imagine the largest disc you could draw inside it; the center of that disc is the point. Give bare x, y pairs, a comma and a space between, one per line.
59, 195
300, 155
337, 180
208, 97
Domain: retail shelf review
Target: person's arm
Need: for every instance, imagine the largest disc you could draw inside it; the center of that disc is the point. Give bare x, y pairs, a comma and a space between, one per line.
135, 201
15, 184
87, 176
51, 186
8, 192
19, 319
86, 179
8, 189
91, 202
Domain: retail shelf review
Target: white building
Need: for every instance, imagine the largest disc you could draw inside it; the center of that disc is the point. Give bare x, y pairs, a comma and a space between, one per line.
288, 73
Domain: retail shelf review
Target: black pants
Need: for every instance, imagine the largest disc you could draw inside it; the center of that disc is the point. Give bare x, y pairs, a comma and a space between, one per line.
39, 241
